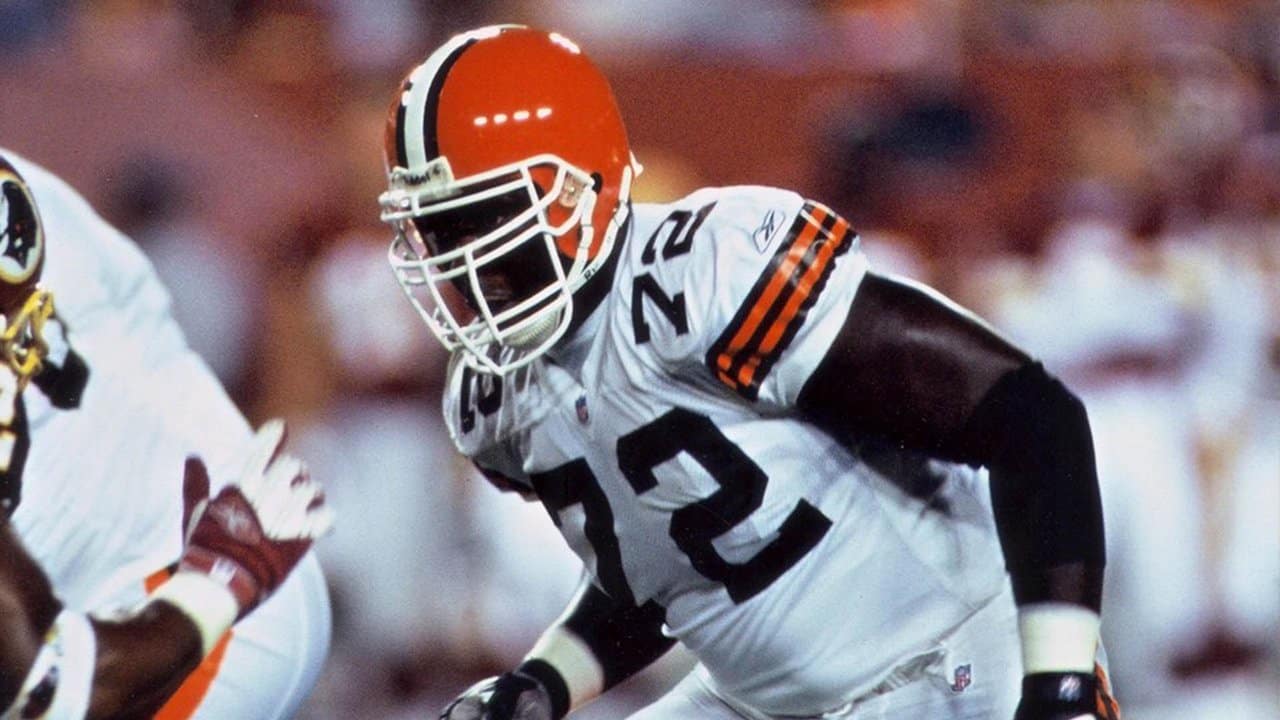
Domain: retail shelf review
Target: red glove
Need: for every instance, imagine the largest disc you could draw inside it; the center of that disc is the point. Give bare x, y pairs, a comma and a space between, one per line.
252, 534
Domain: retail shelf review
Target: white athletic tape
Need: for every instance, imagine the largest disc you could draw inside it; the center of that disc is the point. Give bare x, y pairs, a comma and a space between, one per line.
209, 603
575, 662
1058, 637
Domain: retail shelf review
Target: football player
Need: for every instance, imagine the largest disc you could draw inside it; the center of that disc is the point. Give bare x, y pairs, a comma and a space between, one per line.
106, 404
845, 495
60, 664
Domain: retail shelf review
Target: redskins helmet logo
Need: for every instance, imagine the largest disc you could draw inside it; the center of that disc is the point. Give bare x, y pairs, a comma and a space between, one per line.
21, 237
24, 308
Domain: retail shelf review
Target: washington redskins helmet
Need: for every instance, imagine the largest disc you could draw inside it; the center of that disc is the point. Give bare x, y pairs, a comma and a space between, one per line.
24, 306
510, 175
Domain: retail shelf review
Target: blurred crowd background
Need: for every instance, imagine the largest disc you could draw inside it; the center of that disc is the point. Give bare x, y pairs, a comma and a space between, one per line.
1100, 178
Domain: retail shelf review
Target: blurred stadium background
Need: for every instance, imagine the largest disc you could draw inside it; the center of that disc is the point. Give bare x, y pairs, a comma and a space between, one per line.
1100, 178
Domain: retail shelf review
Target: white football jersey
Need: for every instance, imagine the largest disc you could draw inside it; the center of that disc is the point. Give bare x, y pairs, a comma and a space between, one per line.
101, 498
664, 442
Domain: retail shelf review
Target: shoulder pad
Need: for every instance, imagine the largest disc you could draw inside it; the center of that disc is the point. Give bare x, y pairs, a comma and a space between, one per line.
725, 277
483, 410
685, 258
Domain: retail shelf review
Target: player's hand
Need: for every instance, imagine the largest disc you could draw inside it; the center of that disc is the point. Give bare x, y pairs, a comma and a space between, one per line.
1059, 696
251, 535
510, 696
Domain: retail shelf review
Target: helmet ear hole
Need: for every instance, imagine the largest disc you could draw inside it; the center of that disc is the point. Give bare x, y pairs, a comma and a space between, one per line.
597, 181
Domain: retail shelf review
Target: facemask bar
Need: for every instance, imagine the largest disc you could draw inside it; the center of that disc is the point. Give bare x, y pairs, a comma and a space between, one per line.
535, 323
22, 342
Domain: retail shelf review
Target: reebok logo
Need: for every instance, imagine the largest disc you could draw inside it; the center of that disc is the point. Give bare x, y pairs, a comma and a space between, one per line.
763, 235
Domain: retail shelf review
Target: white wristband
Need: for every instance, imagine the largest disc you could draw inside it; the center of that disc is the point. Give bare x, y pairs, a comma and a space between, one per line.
575, 662
1058, 637
208, 603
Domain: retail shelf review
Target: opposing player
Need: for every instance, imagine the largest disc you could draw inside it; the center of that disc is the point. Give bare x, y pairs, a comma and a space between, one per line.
108, 403
63, 665
758, 447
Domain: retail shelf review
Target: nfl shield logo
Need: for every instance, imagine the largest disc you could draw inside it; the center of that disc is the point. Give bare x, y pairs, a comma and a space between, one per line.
581, 406
963, 676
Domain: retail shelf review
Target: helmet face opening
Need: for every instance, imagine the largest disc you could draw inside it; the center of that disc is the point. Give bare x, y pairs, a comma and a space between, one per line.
446, 230
504, 275
489, 239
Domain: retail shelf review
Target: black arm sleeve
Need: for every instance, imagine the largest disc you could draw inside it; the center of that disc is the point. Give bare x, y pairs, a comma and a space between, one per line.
625, 639
926, 376
1034, 437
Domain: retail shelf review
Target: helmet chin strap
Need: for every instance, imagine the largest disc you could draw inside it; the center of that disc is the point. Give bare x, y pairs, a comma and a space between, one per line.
535, 334
581, 270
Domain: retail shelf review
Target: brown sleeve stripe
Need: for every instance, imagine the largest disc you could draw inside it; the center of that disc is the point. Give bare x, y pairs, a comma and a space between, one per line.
775, 309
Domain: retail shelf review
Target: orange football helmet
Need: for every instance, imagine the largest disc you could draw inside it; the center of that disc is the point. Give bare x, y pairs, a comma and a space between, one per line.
510, 175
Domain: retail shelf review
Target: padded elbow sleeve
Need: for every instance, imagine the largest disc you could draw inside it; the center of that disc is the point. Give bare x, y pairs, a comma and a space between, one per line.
624, 639
1033, 435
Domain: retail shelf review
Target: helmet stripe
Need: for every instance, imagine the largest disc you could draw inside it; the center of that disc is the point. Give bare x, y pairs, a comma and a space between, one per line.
418, 104
402, 155
420, 101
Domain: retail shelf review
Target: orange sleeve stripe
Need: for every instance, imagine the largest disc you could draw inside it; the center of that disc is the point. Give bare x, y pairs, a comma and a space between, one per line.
774, 310
798, 295
1107, 707
789, 313
778, 281
183, 704
745, 350
156, 579
791, 310
184, 701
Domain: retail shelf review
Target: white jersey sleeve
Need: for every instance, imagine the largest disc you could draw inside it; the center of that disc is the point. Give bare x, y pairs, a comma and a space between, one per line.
767, 286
